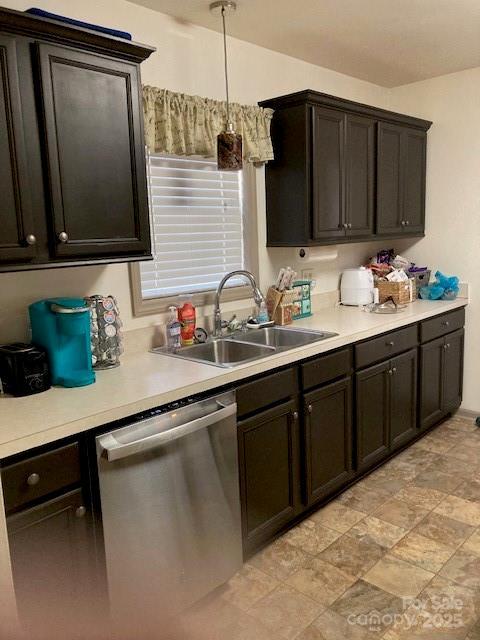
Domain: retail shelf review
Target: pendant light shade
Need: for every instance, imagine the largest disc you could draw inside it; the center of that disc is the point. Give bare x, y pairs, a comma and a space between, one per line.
229, 143
229, 150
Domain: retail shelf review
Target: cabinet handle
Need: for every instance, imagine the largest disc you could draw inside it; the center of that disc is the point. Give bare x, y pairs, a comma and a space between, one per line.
403, 223
345, 225
294, 416
63, 237
33, 479
349, 225
390, 343
394, 370
448, 345
80, 512
446, 323
310, 408
407, 222
31, 239
390, 372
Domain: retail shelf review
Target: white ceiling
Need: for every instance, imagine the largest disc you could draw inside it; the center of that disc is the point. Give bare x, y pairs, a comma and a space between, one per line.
388, 42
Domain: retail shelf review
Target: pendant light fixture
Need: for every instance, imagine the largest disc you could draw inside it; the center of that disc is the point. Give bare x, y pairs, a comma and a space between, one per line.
229, 143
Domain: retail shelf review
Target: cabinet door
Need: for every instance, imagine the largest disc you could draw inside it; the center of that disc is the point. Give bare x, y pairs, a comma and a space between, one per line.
328, 439
52, 561
372, 400
328, 173
17, 229
453, 370
389, 179
268, 445
403, 398
414, 160
359, 176
95, 154
431, 382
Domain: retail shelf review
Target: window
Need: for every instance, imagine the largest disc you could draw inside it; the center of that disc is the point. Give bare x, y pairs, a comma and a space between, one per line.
199, 232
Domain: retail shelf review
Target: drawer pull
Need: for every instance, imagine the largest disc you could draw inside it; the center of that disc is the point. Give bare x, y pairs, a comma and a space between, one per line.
80, 512
33, 479
446, 323
294, 416
391, 343
446, 346
310, 408
31, 239
394, 370
390, 372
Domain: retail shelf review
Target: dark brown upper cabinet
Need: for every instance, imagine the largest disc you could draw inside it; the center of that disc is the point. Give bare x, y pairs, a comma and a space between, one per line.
95, 153
359, 177
328, 133
401, 176
17, 235
343, 172
343, 202
71, 138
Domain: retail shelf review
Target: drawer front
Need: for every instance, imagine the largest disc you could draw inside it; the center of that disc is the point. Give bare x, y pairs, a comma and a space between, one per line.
441, 325
40, 475
266, 391
387, 345
326, 368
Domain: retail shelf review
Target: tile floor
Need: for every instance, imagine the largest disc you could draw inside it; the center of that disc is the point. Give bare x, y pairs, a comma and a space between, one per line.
396, 556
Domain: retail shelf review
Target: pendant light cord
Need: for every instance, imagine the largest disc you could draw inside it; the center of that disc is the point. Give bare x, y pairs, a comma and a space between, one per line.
226, 64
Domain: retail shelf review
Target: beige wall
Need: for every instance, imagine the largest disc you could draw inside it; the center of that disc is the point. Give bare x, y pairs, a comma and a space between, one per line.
188, 59
452, 241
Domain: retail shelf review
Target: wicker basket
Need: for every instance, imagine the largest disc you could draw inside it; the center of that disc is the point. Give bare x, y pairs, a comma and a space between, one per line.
401, 292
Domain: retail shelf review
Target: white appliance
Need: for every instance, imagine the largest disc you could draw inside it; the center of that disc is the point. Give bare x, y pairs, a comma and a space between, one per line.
357, 286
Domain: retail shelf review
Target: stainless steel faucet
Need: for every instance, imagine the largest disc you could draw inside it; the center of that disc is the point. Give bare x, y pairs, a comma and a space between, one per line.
257, 296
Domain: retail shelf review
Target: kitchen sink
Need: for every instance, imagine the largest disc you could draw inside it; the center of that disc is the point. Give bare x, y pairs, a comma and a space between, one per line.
282, 337
243, 347
222, 352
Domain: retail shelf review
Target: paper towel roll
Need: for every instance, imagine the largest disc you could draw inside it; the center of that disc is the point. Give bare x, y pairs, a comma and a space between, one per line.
317, 254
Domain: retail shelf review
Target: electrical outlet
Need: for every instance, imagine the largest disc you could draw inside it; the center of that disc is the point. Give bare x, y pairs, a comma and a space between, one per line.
307, 274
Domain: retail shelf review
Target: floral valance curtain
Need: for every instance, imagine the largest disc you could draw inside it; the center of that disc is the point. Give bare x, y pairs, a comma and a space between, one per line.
180, 124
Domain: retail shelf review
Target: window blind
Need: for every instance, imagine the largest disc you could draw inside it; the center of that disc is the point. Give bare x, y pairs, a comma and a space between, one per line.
197, 226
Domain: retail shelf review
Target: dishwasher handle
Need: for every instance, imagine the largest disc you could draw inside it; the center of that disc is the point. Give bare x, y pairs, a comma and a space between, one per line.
115, 450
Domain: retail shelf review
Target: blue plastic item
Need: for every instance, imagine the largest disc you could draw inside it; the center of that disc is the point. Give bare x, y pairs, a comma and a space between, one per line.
41, 13
62, 327
444, 288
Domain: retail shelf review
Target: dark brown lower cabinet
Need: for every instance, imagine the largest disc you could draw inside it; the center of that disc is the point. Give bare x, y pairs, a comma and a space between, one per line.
328, 439
431, 382
372, 389
269, 472
403, 398
52, 562
386, 407
441, 377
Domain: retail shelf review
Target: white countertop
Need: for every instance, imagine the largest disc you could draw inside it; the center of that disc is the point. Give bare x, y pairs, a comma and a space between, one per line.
147, 380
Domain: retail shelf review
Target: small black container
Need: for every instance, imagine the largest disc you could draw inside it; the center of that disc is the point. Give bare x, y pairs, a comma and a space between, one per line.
24, 369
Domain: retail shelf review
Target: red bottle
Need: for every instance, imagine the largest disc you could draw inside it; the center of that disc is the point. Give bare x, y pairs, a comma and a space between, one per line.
186, 316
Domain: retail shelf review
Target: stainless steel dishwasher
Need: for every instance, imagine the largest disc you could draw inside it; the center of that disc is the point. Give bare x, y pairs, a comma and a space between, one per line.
171, 509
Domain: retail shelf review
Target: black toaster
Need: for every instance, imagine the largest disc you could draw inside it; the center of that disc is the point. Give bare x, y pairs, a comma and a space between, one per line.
24, 369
